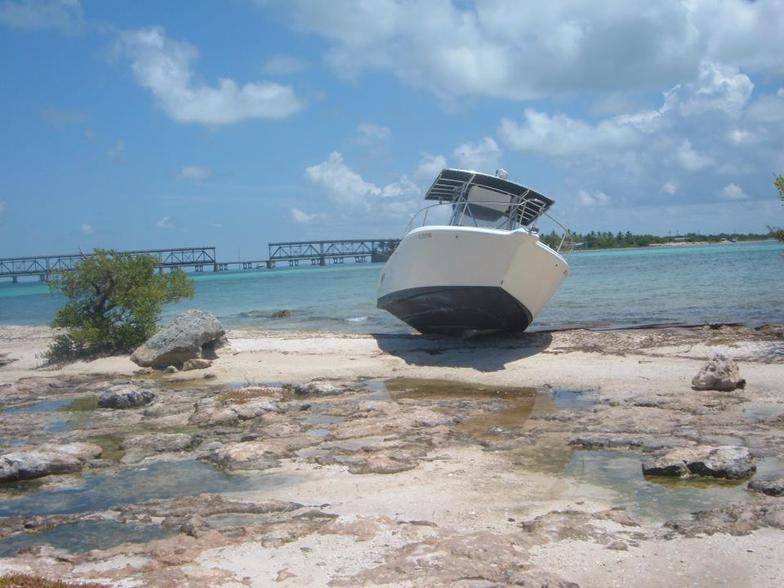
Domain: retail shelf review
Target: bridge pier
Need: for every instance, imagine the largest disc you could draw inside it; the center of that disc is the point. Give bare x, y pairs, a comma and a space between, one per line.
15, 279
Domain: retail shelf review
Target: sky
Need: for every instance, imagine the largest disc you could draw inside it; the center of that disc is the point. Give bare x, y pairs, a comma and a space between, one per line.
234, 123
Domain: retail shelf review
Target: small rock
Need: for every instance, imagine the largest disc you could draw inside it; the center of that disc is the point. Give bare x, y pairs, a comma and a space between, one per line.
249, 455
281, 314
618, 546
170, 369
46, 460
125, 396
720, 373
194, 526
196, 363
251, 410
769, 487
725, 461
315, 389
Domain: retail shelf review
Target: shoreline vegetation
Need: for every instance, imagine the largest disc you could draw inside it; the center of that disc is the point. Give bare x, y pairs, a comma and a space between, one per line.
620, 240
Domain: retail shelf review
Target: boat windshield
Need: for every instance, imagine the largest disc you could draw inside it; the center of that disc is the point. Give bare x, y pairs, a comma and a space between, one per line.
482, 200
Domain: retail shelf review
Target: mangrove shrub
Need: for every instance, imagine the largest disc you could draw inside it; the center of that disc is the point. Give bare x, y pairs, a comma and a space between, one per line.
113, 303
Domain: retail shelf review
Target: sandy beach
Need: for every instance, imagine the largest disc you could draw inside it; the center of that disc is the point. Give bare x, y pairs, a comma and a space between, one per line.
305, 459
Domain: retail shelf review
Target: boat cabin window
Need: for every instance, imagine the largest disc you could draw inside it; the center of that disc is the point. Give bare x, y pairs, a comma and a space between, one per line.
483, 207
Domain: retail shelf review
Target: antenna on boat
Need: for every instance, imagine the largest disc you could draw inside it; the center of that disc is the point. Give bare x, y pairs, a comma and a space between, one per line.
502, 173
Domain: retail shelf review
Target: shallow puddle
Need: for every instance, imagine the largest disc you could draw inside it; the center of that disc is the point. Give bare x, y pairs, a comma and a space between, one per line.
656, 498
496, 408
85, 536
102, 491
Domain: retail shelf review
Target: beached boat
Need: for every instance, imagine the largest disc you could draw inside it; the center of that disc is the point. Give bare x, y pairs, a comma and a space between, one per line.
484, 270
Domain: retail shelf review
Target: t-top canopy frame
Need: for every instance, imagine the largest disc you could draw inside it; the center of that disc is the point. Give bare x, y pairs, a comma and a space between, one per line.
525, 204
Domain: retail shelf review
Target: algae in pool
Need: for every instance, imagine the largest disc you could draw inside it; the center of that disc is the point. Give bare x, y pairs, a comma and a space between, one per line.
106, 490
84, 536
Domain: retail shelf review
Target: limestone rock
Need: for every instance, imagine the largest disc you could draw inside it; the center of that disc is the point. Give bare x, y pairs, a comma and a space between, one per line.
170, 369
725, 461
46, 460
197, 363
315, 389
193, 334
720, 373
247, 455
769, 487
125, 396
251, 410
158, 442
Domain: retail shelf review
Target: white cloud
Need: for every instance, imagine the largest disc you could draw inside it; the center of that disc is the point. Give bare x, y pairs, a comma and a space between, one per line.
690, 158
718, 87
780, 93
343, 185
283, 65
117, 151
562, 136
483, 156
164, 66
372, 134
194, 173
508, 49
740, 136
597, 198
352, 193
429, 167
733, 192
303, 218
62, 15
87, 229
165, 222
669, 188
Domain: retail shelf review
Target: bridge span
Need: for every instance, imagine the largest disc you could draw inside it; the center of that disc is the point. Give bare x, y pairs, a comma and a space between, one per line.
204, 259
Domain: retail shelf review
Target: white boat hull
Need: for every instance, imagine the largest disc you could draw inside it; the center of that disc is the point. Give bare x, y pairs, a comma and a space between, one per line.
461, 281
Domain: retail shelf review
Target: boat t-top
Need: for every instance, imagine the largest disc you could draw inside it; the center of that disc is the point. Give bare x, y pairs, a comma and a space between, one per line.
483, 271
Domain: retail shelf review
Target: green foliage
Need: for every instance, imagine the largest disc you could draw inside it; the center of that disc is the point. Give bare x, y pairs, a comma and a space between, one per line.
608, 240
778, 232
114, 302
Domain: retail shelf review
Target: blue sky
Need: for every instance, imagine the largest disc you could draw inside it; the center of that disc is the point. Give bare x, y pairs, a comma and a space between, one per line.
237, 122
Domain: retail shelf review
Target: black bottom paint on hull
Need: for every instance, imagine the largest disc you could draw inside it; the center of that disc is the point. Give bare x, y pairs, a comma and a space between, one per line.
457, 310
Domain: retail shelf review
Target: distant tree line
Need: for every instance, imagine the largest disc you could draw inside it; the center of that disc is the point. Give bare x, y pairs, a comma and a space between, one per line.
609, 240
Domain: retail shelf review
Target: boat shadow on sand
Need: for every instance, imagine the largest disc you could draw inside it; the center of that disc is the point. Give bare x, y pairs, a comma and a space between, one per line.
486, 354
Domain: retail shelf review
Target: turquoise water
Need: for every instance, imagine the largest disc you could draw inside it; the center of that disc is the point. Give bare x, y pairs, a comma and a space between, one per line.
741, 282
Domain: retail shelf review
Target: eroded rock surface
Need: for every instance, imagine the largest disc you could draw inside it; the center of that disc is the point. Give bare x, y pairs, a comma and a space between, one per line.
125, 396
726, 461
46, 460
769, 487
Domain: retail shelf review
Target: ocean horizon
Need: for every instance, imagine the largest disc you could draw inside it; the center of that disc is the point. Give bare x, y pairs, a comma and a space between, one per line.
714, 283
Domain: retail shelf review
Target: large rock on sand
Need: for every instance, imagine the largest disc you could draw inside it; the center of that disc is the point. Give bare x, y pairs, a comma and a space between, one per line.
720, 373
192, 334
725, 461
46, 460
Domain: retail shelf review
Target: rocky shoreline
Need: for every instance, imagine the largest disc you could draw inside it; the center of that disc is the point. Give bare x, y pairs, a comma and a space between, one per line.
312, 459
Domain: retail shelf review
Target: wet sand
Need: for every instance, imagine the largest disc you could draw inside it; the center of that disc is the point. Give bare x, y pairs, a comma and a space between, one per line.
407, 461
